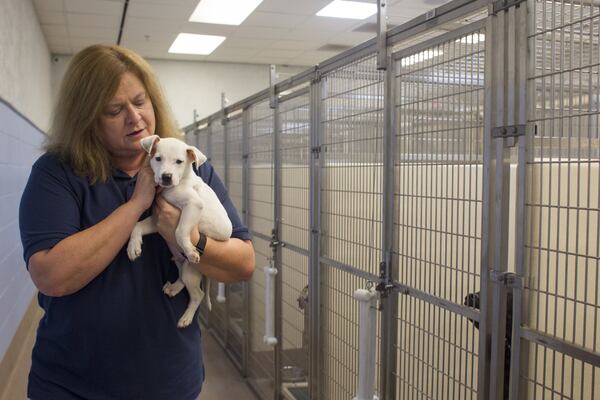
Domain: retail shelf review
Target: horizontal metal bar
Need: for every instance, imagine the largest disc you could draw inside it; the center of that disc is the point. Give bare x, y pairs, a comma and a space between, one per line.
465, 311
501, 5
443, 14
573, 350
248, 101
297, 93
348, 56
261, 236
349, 269
296, 80
446, 37
296, 249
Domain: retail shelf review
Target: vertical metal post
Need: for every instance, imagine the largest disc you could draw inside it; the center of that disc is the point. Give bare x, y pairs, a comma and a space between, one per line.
523, 89
314, 275
382, 50
505, 127
389, 299
225, 156
483, 373
245, 205
499, 211
272, 80
275, 240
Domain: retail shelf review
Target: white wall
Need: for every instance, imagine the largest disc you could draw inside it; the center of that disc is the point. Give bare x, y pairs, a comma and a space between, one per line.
24, 62
193, 85
25, 85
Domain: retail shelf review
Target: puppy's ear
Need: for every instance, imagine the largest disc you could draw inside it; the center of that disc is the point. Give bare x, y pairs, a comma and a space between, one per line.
149, 142
196, 156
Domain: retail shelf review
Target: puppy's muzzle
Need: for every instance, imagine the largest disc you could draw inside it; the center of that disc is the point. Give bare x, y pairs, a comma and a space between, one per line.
166, 179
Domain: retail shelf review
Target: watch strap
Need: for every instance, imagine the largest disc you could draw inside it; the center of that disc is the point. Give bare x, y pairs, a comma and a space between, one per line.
201, 244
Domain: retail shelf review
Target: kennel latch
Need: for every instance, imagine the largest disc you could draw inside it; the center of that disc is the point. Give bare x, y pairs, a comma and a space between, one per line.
507, 279
509, 131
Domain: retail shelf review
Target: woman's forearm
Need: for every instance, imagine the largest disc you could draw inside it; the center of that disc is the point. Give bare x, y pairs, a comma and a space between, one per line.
76, 260
227, 261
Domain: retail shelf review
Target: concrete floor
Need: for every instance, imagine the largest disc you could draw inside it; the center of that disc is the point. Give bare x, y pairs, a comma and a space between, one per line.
223, 381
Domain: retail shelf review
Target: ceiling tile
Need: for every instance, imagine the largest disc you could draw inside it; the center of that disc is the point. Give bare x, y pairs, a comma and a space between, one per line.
49, 5
278, 53
326, 24
55, 30
106, 7
242, 41
274, 20
307, 7
94, 20
102, 34
51, 17
60, 48
255, 32
160, 11
297, 44
224, 50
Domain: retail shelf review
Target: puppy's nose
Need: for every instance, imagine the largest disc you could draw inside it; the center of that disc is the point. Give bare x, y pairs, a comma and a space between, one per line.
167, 179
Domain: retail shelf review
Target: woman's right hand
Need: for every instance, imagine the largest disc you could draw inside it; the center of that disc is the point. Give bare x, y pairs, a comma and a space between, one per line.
145, 188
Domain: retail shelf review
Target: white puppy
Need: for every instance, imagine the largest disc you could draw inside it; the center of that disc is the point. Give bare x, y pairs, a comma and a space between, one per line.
171, 161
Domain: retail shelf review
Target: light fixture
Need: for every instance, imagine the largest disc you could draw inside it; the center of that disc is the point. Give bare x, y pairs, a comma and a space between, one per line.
348, 9
224, 12
190, 43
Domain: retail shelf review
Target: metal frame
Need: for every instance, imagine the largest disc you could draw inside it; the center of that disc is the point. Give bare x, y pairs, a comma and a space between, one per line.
508, 136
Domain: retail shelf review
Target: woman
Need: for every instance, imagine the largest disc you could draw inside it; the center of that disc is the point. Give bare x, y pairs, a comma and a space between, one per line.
108, 331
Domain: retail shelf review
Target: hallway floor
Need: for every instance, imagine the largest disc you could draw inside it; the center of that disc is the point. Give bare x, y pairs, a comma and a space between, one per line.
223, 381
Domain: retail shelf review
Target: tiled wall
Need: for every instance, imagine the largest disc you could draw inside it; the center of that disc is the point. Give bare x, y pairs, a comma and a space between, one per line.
20, 143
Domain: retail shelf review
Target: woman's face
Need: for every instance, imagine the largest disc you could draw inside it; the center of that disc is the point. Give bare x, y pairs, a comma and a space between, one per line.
127, 118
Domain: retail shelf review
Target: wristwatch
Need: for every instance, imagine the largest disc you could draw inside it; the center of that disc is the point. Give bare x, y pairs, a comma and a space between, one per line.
201, 244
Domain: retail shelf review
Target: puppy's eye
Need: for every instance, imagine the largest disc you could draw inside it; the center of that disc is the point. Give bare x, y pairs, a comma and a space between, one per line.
179, 161
158, 159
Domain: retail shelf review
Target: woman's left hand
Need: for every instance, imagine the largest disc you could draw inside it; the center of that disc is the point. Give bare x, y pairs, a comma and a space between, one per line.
167, 218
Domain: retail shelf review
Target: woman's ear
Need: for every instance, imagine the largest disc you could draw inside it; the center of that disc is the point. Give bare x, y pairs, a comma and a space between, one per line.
196, 156
149, 142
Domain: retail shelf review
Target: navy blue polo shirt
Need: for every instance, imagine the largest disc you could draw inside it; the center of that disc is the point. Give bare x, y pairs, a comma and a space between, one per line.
116, 338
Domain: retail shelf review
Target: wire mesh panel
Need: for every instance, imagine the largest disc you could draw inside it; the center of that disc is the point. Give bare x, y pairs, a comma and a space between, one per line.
438, 195
561, 295
217, 153
235, 162
294, 147
260, 221
351, 147
203, 140
235, 294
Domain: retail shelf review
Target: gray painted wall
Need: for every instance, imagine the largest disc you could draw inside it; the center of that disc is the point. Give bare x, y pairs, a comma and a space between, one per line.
20, 147
25, 84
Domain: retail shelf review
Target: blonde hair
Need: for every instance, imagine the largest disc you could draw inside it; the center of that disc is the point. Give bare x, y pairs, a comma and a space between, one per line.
90, 82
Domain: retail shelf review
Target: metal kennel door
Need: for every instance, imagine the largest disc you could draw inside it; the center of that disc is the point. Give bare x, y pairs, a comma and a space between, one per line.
556, 339
260, 219
440, 90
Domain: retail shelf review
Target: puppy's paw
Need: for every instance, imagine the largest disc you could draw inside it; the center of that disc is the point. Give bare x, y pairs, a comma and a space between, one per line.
134, 249
193, 256
185, 320
172, 289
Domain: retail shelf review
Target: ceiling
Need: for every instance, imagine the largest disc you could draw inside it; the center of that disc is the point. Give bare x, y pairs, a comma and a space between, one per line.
284, 32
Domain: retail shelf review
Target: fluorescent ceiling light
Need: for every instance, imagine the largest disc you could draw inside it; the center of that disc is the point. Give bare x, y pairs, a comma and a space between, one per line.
420, 57
224, 12
348, 9
472, 39
189, 43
